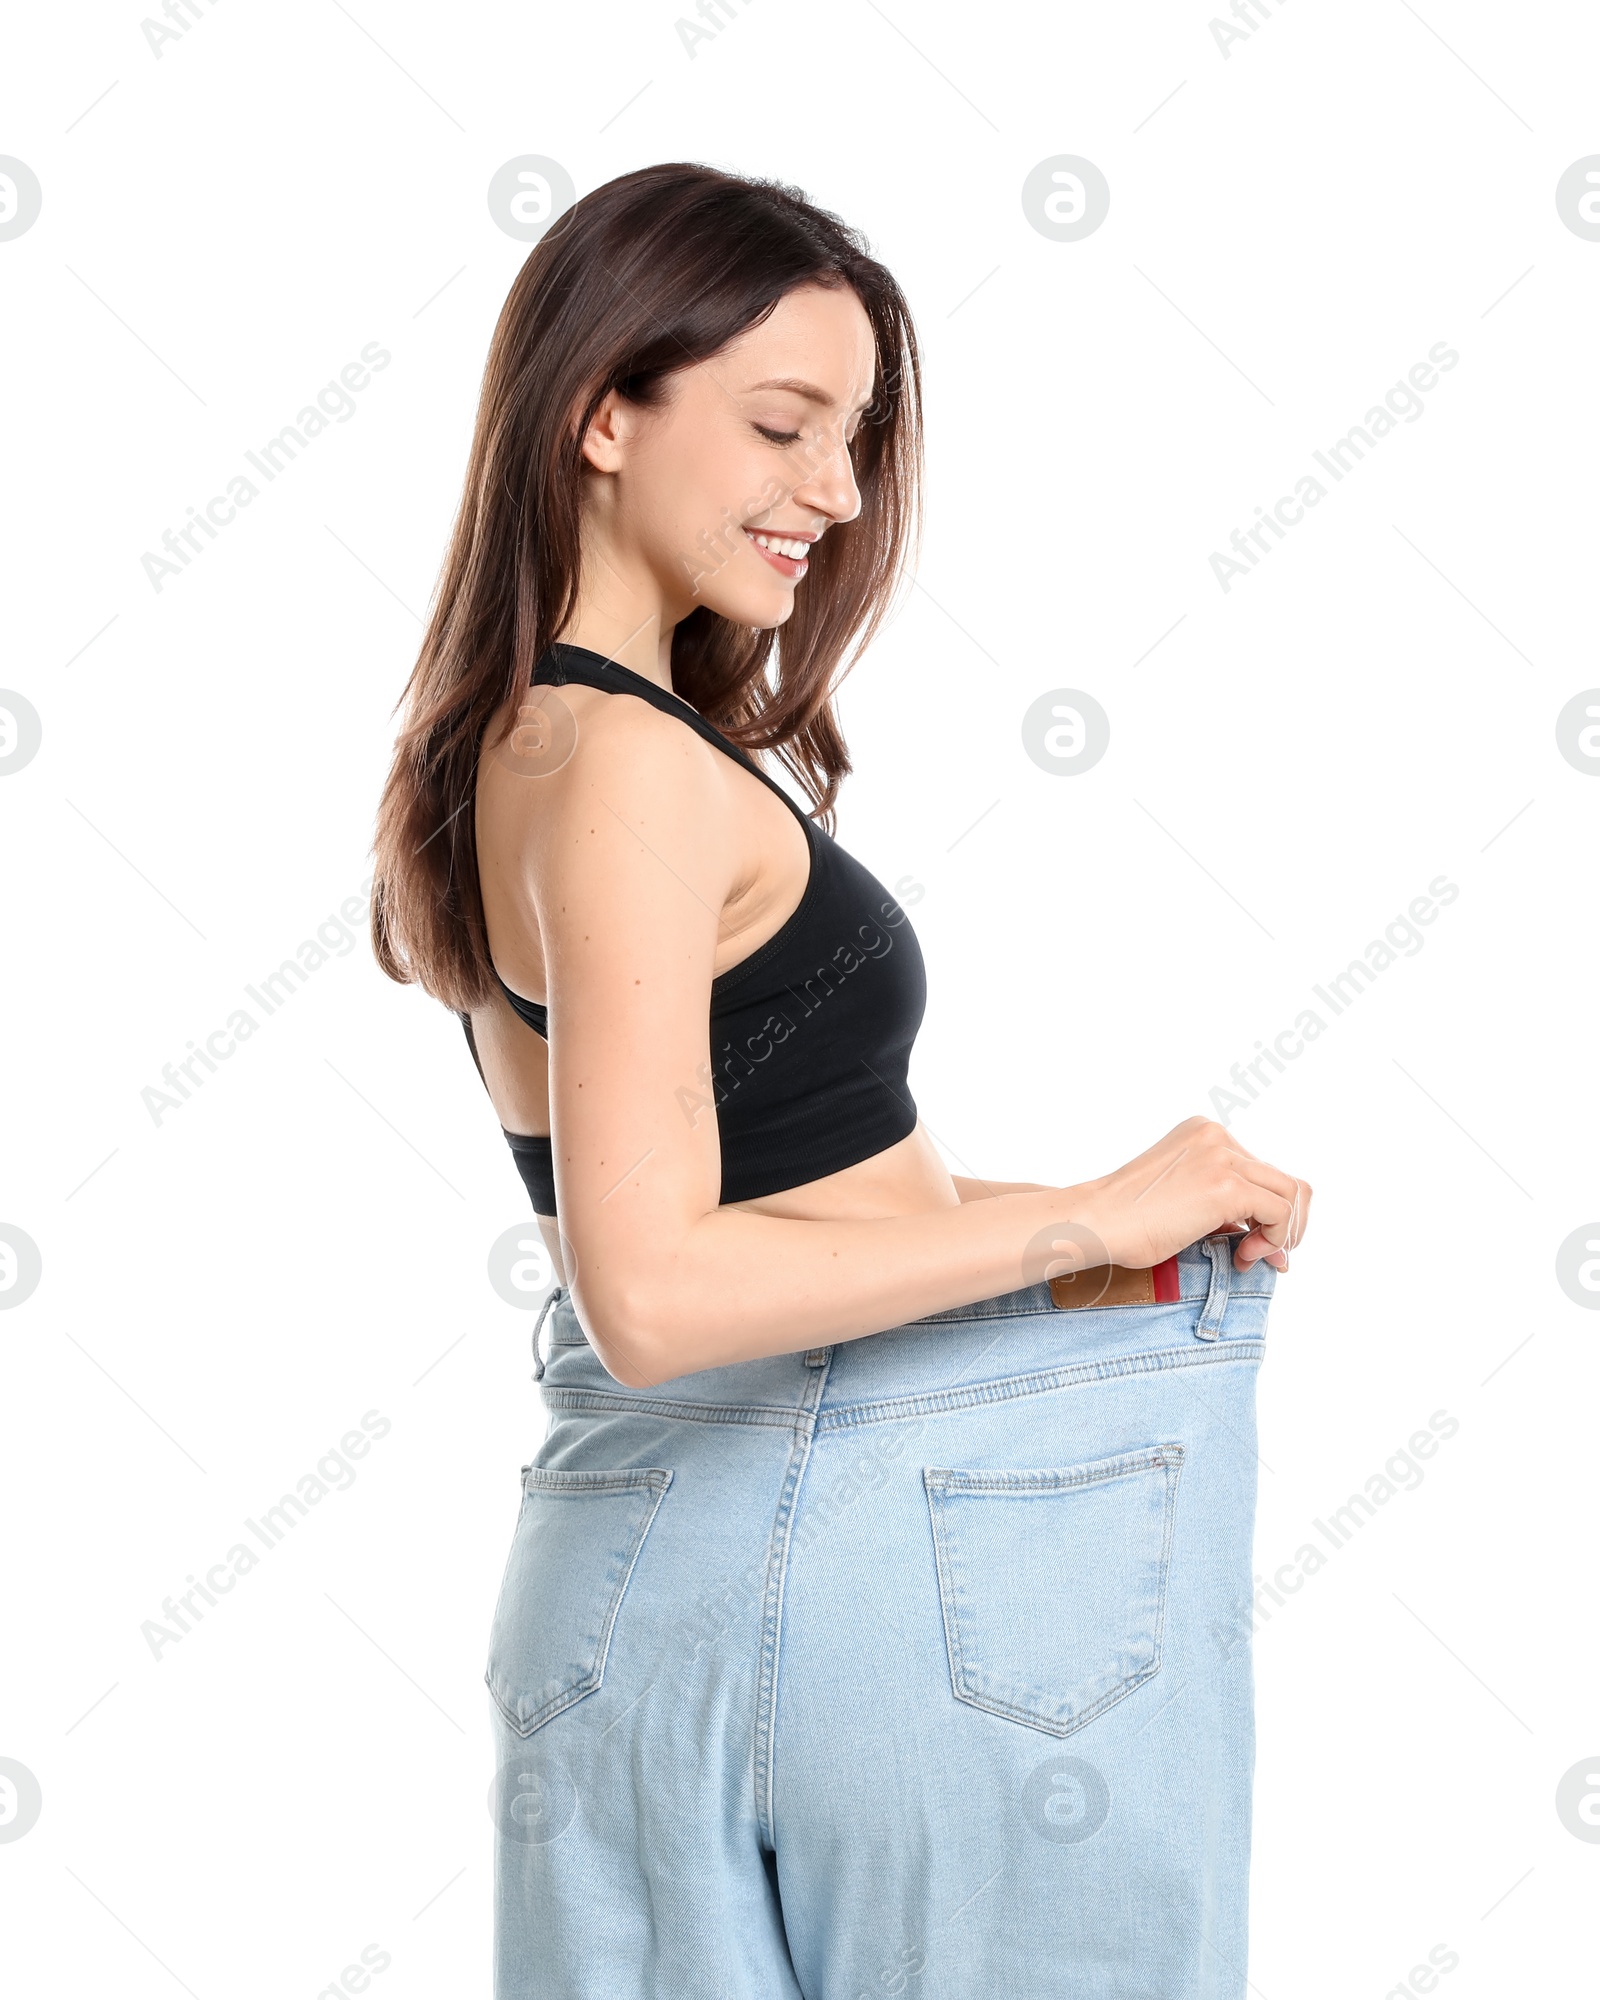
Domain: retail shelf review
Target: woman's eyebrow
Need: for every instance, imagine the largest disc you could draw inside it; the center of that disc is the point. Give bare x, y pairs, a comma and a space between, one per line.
809, 390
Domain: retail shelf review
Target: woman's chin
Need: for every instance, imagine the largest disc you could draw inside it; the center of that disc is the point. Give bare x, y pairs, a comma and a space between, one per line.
762, 610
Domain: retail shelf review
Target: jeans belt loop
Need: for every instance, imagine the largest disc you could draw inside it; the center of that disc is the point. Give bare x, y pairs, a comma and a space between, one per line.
1220, 1250
538, 1328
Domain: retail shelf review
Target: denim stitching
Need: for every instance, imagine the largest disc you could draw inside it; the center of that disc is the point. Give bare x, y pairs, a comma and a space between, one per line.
964, 1317
576, 1479
932, 1401
766, 1705
1239, 1287
942, 1481
1066, 1479
1220, 1251
661, 1406
654, 1480
1046, 1380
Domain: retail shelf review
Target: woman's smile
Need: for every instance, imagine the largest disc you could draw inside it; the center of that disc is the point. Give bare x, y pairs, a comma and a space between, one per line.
786, 553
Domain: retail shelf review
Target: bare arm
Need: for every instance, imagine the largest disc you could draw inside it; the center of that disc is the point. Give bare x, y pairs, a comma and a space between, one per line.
970, 1190
632, 852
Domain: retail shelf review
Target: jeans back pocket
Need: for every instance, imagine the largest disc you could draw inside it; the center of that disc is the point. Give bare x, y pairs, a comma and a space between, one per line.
576, 1541
1054, 1583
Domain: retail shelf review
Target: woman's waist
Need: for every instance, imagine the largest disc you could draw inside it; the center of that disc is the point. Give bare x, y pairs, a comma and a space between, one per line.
906, 1177
1036, 1338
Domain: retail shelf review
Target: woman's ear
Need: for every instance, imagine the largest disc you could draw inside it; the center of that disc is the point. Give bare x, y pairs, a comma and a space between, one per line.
604, 442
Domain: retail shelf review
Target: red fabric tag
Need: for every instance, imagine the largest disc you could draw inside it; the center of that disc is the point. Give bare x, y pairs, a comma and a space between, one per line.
1165, 1278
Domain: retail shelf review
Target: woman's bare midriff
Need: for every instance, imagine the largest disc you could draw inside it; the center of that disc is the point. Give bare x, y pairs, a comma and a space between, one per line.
904, 1179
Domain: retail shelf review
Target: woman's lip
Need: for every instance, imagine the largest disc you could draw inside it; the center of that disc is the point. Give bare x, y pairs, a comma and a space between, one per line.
784, 565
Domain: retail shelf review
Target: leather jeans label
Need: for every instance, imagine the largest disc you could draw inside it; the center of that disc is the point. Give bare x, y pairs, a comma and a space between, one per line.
1104, 1285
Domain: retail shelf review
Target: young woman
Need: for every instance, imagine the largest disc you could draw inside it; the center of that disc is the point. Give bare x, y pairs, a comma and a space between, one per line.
876, 1619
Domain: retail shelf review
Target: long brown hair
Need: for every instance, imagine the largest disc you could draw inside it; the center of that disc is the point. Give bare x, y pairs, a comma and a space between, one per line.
649, 274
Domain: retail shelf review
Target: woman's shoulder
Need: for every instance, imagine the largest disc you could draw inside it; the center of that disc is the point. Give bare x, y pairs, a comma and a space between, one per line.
574, 751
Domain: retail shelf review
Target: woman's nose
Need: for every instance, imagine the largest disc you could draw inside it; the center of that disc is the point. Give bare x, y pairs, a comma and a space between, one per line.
830, 484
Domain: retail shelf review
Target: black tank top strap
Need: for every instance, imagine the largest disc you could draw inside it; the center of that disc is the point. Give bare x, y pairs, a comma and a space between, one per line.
533, 1012
564, 663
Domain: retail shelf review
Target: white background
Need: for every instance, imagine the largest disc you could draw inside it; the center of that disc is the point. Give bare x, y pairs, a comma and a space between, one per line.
1292, 761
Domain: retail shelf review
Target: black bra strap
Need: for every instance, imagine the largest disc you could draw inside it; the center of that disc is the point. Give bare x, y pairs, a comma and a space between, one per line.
563, 663
472, 1042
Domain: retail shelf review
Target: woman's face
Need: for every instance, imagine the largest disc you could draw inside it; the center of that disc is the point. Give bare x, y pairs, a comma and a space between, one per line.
751, 449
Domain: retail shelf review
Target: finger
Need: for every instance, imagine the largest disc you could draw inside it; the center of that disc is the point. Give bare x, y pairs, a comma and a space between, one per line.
1269, 1224
1299, 1209
1277, 1200
1255, 1249
1261, 1173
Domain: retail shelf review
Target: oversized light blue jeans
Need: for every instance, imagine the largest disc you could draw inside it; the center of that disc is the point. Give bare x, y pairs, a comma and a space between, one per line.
916, 1665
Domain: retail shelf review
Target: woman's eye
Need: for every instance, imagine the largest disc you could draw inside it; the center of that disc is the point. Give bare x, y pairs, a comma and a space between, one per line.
777, 437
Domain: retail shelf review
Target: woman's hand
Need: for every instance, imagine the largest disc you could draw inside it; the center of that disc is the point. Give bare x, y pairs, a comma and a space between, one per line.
1196, 1181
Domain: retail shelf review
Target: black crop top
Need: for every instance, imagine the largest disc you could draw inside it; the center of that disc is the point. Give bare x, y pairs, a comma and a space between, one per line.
811, 1034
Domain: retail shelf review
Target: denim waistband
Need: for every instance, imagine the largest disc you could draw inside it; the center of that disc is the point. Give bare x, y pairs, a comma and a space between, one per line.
1017, 1343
